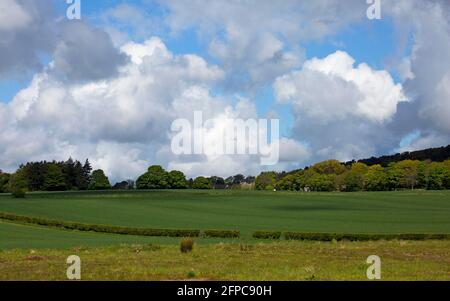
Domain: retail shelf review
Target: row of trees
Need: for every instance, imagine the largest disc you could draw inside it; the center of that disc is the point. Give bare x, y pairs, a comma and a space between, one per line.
158, 178
331, 175
54, 176
72, 175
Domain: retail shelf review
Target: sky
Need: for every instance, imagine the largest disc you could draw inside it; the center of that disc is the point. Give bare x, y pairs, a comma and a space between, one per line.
108, 86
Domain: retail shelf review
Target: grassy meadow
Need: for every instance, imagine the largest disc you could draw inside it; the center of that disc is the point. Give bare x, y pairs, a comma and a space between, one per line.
33, 252
286, 260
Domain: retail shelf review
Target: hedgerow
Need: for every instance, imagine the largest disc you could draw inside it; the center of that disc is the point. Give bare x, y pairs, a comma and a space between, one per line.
362, 237
267, 234
219, 233
222, 233
100, 228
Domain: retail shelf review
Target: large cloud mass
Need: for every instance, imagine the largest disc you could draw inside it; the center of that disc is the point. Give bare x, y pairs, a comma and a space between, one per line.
112, 95
26, 32
57, 119
123, 123
427, 23
331, 88
340, 108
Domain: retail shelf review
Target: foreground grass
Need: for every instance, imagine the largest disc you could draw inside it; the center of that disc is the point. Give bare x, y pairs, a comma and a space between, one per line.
247, 211
401, 260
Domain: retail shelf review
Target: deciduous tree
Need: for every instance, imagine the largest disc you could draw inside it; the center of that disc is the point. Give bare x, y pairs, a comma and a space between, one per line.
99, 180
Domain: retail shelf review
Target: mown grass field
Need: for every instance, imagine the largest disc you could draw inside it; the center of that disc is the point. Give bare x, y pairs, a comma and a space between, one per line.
36, 252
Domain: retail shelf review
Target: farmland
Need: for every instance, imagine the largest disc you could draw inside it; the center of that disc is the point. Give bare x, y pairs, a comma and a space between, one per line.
247, 211
30, 251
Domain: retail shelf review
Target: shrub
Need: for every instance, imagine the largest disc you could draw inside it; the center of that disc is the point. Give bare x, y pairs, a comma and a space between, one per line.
18, 193
186, 245
267, 234
222, 233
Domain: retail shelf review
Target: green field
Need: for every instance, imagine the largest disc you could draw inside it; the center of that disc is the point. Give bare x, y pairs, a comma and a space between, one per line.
247, 211
284, 260
36, 252
36, 237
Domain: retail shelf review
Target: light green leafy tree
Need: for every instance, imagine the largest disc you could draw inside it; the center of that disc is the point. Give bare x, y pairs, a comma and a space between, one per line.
177, 180
266, 181
99, 181
376, 178
201, 183
155, 178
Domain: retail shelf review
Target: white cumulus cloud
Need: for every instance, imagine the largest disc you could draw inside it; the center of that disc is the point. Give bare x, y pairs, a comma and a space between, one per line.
340, 109
333, 87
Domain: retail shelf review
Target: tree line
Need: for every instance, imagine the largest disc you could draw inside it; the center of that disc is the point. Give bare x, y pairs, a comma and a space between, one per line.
437, 154
332, 175
158, 178
54, 176
73, 175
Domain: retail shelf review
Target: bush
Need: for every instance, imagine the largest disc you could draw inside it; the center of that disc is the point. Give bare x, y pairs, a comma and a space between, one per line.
186, 245
18, 193
222, 233
267, 234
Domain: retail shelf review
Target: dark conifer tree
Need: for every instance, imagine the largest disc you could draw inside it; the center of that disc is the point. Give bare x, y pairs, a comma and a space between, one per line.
80, 179
87, 169
68, 169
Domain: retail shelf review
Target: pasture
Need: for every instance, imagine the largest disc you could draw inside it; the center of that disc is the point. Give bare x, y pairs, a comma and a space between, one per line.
35, 252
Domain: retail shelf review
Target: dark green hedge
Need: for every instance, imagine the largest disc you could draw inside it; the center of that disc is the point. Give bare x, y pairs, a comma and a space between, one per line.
222, 233
217, 233
18, 193
267, 234
100, 228
362, 237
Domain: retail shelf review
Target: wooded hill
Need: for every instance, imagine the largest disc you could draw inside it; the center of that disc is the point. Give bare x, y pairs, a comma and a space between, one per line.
438, 154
